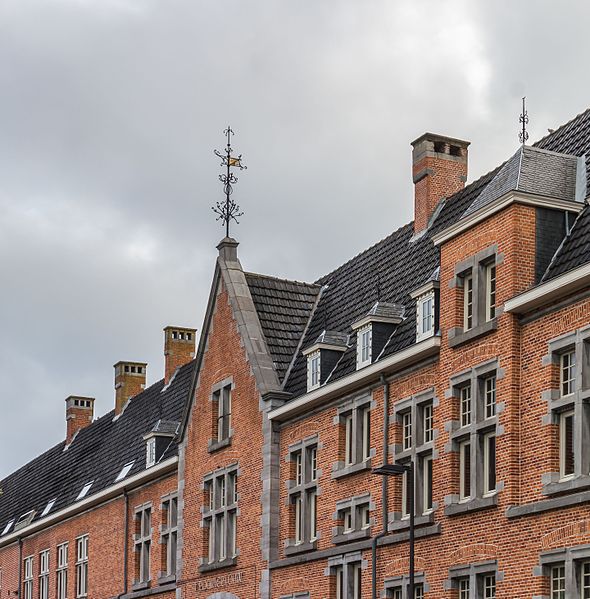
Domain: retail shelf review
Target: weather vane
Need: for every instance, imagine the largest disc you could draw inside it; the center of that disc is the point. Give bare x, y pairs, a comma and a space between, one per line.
524, 121
227, 209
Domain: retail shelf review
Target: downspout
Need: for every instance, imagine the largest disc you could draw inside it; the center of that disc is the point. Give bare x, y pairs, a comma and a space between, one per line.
20, 566
384, 488
125, 543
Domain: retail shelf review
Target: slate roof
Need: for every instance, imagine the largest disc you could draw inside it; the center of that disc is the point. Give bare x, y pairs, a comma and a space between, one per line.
284, 308
532, 170
97, 453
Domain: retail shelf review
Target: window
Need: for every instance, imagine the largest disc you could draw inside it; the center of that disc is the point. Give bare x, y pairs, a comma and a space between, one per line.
489, 459
143, 542
427, 483
303, 495
558, 582
150, 447
567, 373
489, 586
28, 578
169, 535
62, 571
465, 406
48, 507
402, 589
364, 346
468, 302
84, 490
8, 526
464, 588
427, 421
407, 430
357, 434
222, 401
566, 444
490, 271
313, 371
585, 580
124, 471
220, 518
475, 581
355, 515
425, 316
348, 581
82, 567
44, 574
490, 396
465, 470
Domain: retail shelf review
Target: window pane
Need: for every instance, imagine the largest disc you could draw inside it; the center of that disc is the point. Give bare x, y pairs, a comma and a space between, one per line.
313, 499
490, 396
349, 457
465, 470
585, 580
427, 478
489, 586
490, 463
558, 582
566, 442
407, 430
464, 588
465, 406
428, 423
468, 302
568, 373
366, 433
490, 291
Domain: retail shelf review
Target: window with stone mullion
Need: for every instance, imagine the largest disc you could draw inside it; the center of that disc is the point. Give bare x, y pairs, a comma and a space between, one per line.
303, 493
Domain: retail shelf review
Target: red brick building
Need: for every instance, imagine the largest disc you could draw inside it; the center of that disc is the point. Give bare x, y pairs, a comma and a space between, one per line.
459, 344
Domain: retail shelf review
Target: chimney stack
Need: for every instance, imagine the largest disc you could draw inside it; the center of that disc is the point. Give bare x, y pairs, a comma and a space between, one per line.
79, 414
439, 169
129, 381
179, 349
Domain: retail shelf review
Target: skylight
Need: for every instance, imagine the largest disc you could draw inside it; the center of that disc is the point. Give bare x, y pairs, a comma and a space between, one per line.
8, 526
84, 491
124, 471
48, 507
24, 520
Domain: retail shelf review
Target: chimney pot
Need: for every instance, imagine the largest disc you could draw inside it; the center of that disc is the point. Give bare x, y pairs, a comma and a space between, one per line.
179, 349
439, 169
79, 414
130, 380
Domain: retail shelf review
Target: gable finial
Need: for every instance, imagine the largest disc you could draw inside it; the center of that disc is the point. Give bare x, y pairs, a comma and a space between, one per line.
227, 210
523, 119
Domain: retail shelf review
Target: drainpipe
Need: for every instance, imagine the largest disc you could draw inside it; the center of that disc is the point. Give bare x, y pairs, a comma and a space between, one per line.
20, 566
125, 543
384, 488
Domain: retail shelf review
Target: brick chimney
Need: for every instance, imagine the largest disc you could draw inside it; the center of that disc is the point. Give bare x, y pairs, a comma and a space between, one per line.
79, 414
439, 169
179, 349
129, 381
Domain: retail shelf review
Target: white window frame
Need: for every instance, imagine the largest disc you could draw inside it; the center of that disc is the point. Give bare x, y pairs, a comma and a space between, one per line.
364, 346
62, 571
143, 542
221, 515
487, 486
85, 489
490, 278
407, 430
44, 574
428, 422
82, 566
585, 579
464, 588
169, 535
223, 397
468, 313
489, 586
563, 416
365, 515
557, 582
489, 393
466, 405
28, 577
425, 316
349, 452
313, 370
150, 452
567, 373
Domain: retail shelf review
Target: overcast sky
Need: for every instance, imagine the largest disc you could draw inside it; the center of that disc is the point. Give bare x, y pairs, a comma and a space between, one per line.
109, 114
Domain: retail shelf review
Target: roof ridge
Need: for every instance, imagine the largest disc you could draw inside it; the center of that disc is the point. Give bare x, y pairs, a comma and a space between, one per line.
284, 280
556, 131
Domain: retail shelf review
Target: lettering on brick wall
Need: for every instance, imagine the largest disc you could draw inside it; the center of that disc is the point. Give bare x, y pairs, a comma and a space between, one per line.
220, 581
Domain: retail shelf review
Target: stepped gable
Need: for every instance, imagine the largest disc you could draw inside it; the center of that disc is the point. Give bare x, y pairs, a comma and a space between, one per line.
575, 249
284, 308
97, 453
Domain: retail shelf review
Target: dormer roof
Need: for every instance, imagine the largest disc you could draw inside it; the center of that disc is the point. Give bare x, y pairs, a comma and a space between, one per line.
385, 312
330, 340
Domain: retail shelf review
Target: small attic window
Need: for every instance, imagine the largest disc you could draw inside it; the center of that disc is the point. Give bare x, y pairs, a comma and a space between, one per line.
48, 507
455, 151
8, 526
313, 370
24, 520
150, 457
425, 316
84, 490
439, 146
364, 343
124, 471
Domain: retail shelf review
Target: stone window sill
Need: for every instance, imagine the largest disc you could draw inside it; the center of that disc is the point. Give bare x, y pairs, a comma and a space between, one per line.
458, 336
217, 445
150, 592
226, 563
353, 535
578, 483
167, 579
295, 549
473, 505
404, 523
140, 586
352, 469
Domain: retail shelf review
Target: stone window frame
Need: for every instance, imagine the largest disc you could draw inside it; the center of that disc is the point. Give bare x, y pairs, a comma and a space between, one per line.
476, 432
572, 558
417, 452
217, 509
142, 544
476, 574
357, 531
168, 531
355, 407
391, 584
578, 401
215, 442
305, 490
346, 562
476, 267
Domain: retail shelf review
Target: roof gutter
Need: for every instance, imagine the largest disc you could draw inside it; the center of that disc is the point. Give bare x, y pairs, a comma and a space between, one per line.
550, 291
360, 378
512, 197
107, 494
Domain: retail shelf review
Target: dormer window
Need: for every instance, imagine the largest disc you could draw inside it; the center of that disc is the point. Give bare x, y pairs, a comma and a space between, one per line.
425, 316
323, 356
157, 441
313, 369
364, 346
